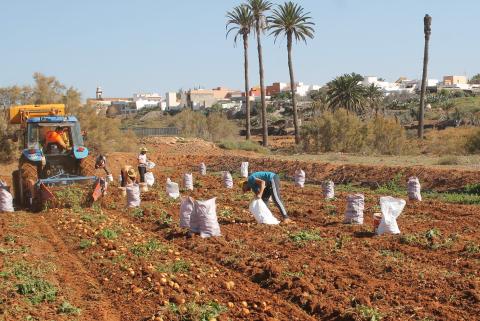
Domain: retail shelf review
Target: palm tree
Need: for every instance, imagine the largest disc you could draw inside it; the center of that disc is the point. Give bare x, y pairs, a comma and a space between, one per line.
427, 30
374, 96
290, 20
258, 8
347, 92
240, 21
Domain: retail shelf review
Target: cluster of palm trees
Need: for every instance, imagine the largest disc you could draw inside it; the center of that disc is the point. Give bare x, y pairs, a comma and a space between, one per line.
348, 92
255, 17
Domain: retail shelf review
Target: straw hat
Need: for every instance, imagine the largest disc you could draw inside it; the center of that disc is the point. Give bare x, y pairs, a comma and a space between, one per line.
144, 149
131, 173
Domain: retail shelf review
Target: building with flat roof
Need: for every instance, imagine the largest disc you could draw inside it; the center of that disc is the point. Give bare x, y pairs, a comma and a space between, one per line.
454, 80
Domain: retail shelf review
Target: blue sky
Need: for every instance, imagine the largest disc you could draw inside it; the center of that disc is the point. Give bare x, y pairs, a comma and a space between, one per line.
155, 45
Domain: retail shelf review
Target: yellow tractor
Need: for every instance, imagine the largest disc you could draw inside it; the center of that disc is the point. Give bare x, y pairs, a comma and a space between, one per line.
53, 153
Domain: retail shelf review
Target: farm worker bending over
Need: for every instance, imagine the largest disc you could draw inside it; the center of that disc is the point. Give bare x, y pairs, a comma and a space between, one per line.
101, 162
55, 138
142, 164
264, 185
128, 174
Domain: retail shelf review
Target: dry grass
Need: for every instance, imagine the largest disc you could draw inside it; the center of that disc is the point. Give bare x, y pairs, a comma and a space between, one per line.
450, 141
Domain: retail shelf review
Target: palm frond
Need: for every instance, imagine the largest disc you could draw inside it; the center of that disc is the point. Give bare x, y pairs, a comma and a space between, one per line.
239, 21
290, 19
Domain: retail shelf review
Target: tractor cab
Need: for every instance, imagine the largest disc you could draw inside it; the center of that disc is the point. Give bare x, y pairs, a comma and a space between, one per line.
57, 142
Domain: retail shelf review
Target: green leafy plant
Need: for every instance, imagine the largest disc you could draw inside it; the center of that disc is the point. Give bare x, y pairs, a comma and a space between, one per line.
164, 219
392, 253
109, 234
330, 209
37, 290
137, 212
225, 213
9, 239
368, 313
471, 248
199, 312
341, 241
146, 248
180, 266
67, 308
291, 274
85, 244
304, 236
394, 186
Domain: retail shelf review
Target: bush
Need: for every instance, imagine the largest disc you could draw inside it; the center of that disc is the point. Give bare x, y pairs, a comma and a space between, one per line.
213, 127
386, 136
338, 131
219, 127
472, 143
8, 148
247, 145
343, 132
103, 134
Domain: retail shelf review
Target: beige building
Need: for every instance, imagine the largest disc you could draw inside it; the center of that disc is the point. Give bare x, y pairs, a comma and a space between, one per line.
454, 80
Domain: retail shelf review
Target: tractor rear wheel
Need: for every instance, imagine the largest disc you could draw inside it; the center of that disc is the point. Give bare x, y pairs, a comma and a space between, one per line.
17, 188
29, 177
87, 166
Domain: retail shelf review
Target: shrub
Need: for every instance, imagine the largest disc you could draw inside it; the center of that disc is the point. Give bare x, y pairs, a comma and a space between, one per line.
8, 148
338, 131
247, 145
219, 127
472, 143
103, 134
386, 136
344, 132
214, 127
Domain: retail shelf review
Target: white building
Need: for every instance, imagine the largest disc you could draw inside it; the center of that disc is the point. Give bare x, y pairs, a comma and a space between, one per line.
301, 88
147, 100
171, 100
402, 85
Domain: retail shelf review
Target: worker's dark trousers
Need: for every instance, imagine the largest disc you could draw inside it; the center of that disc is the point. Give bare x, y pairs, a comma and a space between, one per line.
273, 189
142, 170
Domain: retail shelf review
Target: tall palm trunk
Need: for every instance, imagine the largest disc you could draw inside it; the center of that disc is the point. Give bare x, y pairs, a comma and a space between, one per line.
427, 21
293, 88
247, 86
262, 86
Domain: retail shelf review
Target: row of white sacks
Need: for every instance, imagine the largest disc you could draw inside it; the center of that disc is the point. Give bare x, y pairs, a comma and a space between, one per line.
206, 223
413, 185
328, 187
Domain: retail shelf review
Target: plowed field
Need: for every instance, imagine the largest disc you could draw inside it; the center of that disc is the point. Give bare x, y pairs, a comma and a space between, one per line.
113, 263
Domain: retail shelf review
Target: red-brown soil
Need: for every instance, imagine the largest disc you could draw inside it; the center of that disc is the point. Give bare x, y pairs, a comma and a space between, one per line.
119, 264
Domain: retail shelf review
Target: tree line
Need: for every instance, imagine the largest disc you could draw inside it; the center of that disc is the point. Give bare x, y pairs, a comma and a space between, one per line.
290, 20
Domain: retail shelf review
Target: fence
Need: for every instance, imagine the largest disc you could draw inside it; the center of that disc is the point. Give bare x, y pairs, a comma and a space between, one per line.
143, 132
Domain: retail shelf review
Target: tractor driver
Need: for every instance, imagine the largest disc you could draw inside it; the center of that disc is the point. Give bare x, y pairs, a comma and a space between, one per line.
55, 138
66, 137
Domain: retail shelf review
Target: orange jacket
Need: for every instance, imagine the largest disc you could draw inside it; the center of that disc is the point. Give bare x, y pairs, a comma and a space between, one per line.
54, 137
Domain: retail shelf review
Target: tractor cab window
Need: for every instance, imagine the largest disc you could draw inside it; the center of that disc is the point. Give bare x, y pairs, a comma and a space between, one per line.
63, 136
33, 136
